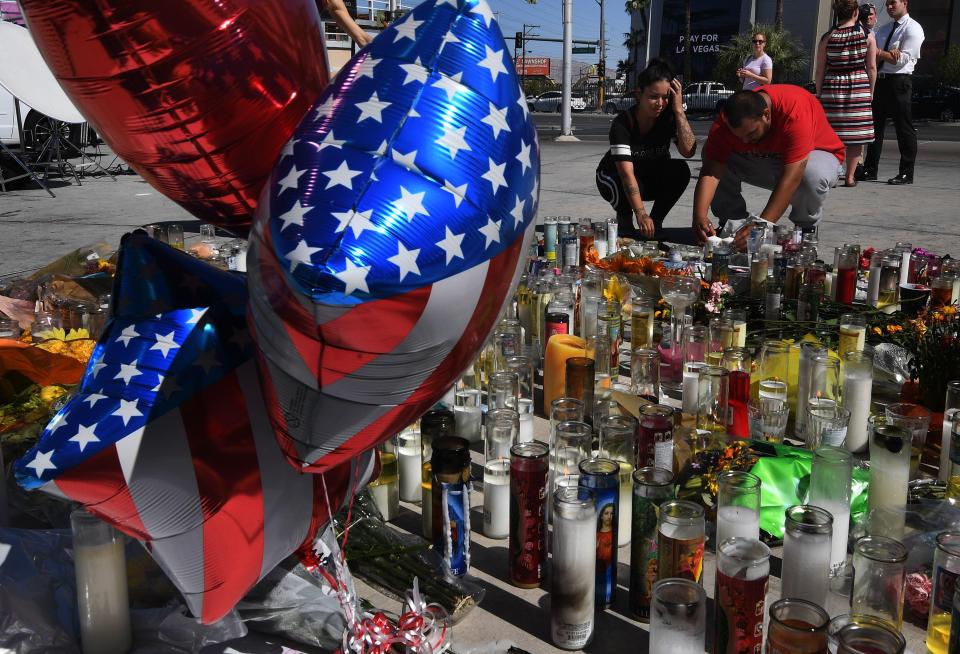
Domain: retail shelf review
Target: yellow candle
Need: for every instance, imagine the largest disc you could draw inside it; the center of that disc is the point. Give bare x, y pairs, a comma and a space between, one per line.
560, 347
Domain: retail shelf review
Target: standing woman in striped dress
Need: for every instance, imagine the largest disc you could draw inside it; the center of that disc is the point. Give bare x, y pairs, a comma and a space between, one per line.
846, 74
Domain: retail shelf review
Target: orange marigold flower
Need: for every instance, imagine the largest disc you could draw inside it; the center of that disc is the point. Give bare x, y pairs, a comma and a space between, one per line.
950, 310
877, 331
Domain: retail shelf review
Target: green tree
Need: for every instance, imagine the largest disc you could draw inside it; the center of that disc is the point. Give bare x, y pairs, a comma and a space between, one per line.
948, 70
789, 60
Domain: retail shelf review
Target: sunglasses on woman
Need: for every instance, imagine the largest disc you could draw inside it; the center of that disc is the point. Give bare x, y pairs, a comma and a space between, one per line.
759, 41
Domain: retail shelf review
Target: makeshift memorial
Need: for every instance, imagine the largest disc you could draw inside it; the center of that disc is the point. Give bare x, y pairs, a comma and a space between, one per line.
168, 441
375, 274
262, 62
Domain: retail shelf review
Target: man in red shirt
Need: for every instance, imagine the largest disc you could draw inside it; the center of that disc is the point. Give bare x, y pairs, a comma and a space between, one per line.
777, 138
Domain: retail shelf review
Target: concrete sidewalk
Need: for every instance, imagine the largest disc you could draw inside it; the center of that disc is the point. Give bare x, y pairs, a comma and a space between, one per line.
36, 229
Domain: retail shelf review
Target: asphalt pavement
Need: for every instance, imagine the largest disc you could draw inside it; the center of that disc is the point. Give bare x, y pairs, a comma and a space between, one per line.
35, 228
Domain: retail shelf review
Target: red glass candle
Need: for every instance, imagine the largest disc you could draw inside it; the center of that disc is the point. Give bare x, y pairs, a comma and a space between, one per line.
656, 426
528, 488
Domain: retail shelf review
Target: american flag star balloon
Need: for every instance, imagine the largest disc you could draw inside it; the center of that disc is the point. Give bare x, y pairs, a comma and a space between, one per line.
388, 239
168, 437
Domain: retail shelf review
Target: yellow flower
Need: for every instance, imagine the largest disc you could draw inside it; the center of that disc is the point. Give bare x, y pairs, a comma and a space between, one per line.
950, 310
877, 331
658, 314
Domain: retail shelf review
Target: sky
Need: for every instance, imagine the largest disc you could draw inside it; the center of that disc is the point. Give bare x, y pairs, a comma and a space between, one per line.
547, 14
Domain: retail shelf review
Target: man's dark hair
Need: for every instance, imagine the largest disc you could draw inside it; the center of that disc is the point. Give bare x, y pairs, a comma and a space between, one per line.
743, 104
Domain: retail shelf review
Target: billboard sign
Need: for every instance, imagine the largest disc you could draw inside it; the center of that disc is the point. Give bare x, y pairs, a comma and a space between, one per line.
532, 66
712, 23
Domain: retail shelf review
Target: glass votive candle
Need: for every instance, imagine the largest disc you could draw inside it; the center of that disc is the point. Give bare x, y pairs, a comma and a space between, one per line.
655, 441
528, 532
916, 420
950, 405
853, 333
879, 575
385, 489
857, 395
573, 568
408, 460
102, 601
690, 390
830, 489
601, 476
797, 627
826, 423
572, 444
678, 617
645, 374
468, 413
946, 569
651, 488
864, 634
641, 323
579, 383
713, 408
738, 506
680, 540
618, 442
175, 235
774, 367
743, 570
768, 420
504, 390
806, 553
889, 476
808, 352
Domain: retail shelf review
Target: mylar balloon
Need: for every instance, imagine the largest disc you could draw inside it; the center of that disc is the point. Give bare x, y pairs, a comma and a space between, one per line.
198, 96
388, 240
168, 438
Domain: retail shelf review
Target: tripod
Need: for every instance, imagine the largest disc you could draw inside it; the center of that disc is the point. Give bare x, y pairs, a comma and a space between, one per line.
27, 172
56, 146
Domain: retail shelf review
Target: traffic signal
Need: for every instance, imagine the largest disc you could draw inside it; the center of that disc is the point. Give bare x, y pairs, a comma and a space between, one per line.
518, 41
601, 71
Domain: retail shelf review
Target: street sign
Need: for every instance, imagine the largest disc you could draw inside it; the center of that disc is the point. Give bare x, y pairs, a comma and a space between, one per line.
585, 50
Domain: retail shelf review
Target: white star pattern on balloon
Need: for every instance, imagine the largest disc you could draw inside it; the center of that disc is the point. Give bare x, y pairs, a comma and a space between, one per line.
406, 260
301, 255
451, 244
365, 69
493, 61
524, 156
329, 141
195, 316
497, 119
60, 420
491, 231
372, 108
407, 29
408, 161
322, 111
165, 344
93, 398
458, 192
517, 211
495, 175
96, 368
291, 179
84, 436
354, 278
128, 371
449, 38
340, 176
127, 410
411, 204
450, 85
129, 332
358, 221
415, 72
454, 140
156, 389
484, 10
42, 462
293, 216
522, 102
207, 361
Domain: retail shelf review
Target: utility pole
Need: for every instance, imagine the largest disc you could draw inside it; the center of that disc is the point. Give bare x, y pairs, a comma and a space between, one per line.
520, 44
566, 127
602, 68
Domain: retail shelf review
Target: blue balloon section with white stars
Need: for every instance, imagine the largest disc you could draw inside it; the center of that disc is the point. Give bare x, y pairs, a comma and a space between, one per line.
418, 162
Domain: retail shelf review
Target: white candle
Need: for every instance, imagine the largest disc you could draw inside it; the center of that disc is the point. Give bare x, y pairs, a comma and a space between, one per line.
387, 499
945, 445
772, 389
526, 420
496, 499
740, 333
905, 267
625, 512
104, 609
841, 531
889, 477
408, 456
857, 391
828, 285
737, 521
806, 567
468, 419
691, 391
873, 284
852, 337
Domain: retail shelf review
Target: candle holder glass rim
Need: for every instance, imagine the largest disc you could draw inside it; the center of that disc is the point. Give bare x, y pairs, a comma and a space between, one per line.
739, 480
851, 625
652, 476
681, 512
881, 549
599, 467
812, 610
863, 356
656, 410
618, 422
827, 357
574, 427
503, 414
747, 552
530, 449
573, 498
949, 543
808, 519
566, 404
914, 412
689, 593
645, 353
833, 455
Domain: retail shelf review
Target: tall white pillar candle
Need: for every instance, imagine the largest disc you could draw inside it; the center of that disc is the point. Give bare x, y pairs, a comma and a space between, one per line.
857, 393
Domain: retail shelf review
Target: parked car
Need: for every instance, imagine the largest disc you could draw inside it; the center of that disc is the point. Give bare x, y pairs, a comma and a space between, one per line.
936, 101
37, 127
705, 96
550, 101
614, 104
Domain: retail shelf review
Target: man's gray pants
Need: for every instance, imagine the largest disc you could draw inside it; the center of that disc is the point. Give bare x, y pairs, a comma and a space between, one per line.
821, 174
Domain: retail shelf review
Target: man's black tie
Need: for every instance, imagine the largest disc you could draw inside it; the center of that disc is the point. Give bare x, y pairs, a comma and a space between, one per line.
886, 46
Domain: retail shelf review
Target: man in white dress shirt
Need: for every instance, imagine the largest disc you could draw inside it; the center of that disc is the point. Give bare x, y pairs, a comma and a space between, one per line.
898, 49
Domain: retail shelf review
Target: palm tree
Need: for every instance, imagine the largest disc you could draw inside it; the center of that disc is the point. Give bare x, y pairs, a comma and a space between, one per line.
778, 17
687, 50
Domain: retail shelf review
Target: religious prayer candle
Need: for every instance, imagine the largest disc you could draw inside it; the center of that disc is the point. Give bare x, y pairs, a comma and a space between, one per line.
655, 444
434, 424
651, 487
618, 442
691, 386
101, 570
797, 627
450, 464
601, 476
559, 349
528, 531
680, 540
573, 567
946, 570
806, 553
496, 499
743, 570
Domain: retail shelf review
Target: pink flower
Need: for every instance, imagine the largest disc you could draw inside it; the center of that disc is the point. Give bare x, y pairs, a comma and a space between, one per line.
917, 595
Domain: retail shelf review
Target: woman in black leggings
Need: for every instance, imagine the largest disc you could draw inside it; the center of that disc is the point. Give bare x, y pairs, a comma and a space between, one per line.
638, 167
